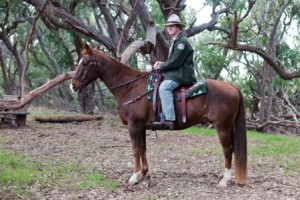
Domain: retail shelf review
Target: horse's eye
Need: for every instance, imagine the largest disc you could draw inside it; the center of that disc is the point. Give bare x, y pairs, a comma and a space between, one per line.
85, 63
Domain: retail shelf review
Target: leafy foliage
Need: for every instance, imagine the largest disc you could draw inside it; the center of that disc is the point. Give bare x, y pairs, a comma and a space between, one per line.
209, 58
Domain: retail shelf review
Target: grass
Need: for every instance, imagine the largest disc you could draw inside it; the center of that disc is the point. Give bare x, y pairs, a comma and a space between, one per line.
283, 151
200, 131
96, 179
18, 175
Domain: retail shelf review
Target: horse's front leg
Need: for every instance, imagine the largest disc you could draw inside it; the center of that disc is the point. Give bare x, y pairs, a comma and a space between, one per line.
138, 141
143, 154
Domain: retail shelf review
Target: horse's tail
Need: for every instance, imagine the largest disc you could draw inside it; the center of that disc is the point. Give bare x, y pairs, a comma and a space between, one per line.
240, 143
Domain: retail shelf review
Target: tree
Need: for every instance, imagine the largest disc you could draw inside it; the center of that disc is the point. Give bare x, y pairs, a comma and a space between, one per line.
116, 26
267, 25
127, 28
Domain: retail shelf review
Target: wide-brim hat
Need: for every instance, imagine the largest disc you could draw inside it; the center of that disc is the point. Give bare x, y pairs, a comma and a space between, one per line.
174, 19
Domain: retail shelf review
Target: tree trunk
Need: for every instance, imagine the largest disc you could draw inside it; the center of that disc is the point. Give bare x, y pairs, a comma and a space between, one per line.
266, 94
86, 98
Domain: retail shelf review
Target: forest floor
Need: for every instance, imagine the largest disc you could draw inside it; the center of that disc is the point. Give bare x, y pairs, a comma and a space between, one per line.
181, 166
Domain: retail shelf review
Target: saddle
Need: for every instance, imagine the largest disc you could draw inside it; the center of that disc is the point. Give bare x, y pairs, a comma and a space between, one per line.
181, 94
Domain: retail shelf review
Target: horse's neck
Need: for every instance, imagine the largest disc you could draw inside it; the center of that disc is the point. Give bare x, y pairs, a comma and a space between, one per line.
114, 74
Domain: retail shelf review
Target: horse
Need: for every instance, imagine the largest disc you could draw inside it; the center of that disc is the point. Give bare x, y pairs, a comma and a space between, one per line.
222, 105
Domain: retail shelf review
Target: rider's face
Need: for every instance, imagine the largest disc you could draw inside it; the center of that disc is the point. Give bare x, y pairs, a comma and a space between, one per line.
173, 30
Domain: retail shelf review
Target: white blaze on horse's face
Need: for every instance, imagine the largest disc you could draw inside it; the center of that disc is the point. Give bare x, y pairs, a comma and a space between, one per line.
72, 87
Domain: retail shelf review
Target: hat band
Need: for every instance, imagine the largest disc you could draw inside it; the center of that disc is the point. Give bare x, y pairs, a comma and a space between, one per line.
173, 22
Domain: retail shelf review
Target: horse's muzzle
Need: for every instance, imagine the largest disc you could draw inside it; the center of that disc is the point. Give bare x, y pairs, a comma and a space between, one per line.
75, 86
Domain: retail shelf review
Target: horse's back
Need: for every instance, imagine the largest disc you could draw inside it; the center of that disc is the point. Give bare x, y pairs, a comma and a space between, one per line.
221, 91
219, 104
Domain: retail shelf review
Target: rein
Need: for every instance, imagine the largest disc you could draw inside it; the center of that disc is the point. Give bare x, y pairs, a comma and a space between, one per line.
131, 81
136, 98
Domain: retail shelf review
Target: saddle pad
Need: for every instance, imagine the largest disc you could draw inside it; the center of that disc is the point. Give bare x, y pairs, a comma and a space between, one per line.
149, 86
197, 89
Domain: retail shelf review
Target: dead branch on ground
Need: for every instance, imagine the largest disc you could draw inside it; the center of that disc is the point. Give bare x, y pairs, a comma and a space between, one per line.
62, 119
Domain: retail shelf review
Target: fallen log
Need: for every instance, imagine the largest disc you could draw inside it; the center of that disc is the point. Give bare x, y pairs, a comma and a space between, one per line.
287, 126
64, 119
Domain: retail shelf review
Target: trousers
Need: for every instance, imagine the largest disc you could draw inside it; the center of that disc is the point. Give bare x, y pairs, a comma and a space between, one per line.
166, 96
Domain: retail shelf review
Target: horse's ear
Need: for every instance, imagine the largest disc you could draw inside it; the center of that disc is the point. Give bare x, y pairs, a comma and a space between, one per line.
98, 48
86, 49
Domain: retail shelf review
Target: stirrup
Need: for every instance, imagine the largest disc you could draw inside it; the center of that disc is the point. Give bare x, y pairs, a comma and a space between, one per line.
168, 125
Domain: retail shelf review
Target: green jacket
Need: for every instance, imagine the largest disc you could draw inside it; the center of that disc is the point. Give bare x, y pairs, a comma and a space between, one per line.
180, 67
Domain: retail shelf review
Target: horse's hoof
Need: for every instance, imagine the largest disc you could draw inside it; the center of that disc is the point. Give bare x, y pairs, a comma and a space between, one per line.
135, 178
242, 184
222, 184
226, 178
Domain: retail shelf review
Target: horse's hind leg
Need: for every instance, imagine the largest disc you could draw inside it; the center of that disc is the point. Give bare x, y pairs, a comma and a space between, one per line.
138, 141
225, 137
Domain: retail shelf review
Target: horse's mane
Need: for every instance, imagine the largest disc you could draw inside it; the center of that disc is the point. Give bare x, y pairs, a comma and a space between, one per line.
113, 60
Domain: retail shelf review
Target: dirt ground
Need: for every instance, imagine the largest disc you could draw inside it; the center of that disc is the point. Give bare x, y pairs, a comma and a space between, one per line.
181, 166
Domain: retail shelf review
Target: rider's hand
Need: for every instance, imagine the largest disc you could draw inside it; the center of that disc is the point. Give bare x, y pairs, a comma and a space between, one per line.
157, 64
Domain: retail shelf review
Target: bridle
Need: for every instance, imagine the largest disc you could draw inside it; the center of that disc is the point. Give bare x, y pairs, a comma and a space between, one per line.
90, 63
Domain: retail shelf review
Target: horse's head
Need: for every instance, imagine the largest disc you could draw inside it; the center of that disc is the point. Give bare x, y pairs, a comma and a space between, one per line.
86, 71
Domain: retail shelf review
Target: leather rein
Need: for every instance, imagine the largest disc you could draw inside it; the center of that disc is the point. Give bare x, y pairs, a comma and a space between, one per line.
136, 98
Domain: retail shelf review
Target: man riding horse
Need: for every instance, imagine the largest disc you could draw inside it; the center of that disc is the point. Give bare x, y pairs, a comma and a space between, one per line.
178, 70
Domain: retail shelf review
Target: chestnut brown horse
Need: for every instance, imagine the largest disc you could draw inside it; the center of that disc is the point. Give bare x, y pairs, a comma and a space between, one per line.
222, 105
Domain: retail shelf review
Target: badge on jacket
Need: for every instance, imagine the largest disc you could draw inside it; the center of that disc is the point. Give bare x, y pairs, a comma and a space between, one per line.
180, 46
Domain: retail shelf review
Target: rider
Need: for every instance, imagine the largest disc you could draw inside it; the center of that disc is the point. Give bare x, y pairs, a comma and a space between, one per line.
178, 69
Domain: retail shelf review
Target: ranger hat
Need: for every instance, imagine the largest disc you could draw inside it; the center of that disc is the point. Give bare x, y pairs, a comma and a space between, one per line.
173, 19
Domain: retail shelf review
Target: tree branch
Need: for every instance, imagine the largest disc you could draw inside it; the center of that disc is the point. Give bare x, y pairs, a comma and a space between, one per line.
68, 119
111, 25
23, 80
37, 92
126, 29
263, 54
260, 127
74, 23
211, 25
